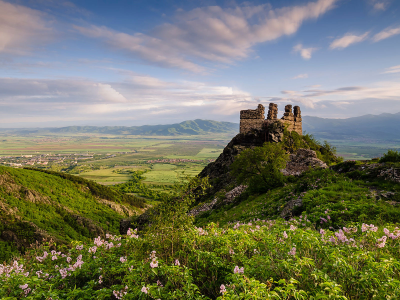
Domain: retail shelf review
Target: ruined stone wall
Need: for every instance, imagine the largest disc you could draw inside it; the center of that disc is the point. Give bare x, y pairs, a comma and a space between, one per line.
252, 119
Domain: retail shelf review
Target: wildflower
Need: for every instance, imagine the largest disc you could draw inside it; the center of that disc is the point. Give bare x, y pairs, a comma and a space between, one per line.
177, 263
328, 217
122, 259
285, 235
292, 227
25, 286
54, 257
132, 233
145, 290
231, 252
382, 242
321, 231
79, 247
100, 279
292, 251
120, 294
159, 283
154, 263
238, 270
222, 289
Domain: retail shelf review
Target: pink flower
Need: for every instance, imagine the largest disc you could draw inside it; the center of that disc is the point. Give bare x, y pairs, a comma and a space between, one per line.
222, 289
25, 286
144, 290
238, 270
285, 235
177, 263
293, 251
382, 242
154, 263
79, 247
293, 228
69, 259
321, 231
122, 259
54, 257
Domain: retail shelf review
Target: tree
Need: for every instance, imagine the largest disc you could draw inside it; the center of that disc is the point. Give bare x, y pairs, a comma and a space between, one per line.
260, 167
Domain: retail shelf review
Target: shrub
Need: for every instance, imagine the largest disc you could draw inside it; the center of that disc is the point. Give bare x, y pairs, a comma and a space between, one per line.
390, 156
260, 167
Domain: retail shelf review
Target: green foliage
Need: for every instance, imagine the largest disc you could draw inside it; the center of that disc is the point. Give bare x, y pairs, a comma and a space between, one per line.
257, 260
36, 205
260, 167
292, 141
390, 156
135, 185
98, 190
169, 221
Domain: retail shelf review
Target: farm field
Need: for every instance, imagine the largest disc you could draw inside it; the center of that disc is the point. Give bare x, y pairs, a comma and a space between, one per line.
110, 159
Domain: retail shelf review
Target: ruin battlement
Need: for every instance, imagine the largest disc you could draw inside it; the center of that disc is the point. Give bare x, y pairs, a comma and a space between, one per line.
254, 119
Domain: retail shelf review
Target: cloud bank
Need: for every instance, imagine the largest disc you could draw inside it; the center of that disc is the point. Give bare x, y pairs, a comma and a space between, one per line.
211, 34
21, 28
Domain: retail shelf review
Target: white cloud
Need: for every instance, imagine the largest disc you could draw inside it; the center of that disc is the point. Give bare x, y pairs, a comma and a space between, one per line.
211, 33
347, 40
311, 98
300, 76
386, 33
304, 52
136, 98
20, 28
395, 69
379, 5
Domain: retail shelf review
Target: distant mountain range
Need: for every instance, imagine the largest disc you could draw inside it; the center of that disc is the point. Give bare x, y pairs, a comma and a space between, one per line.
196, 127
374, 127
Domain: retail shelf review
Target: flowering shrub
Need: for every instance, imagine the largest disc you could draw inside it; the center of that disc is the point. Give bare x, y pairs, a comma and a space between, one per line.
290, 262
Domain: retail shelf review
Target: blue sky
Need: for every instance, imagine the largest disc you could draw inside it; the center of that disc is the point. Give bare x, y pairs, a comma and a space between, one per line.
156, 62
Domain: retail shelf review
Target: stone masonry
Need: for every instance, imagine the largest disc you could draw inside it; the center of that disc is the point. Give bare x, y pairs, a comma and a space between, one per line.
254, 119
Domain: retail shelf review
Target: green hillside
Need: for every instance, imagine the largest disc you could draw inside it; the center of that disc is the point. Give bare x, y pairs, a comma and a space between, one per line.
37, 205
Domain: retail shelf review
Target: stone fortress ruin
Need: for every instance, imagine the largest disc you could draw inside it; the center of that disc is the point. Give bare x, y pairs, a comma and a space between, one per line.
254, 119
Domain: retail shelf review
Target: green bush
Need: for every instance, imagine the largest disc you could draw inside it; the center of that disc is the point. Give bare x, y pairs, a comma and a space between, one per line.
260, 167
390, 156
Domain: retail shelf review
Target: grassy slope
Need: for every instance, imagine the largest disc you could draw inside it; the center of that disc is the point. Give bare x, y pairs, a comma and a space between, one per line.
64, 209
349, 196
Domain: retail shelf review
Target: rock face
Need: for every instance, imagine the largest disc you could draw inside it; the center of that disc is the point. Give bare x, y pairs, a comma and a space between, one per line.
218, 171
229, 197
303, 160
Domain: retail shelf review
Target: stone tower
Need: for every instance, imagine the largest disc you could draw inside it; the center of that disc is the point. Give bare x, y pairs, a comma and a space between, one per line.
253, 119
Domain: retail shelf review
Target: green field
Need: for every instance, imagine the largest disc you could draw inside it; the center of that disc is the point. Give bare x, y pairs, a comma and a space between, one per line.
115, 156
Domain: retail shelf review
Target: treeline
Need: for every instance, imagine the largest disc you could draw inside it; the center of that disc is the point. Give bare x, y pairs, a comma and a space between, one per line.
135, 185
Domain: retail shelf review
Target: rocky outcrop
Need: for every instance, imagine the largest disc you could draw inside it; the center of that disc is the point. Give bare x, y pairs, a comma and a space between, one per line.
229, 197
301, 161
218, 171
